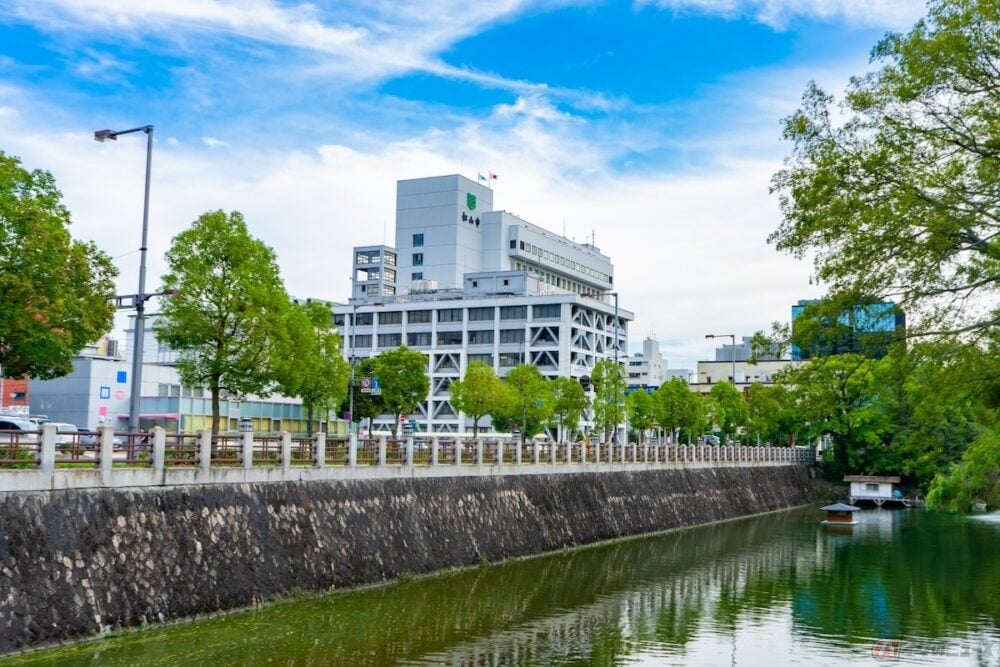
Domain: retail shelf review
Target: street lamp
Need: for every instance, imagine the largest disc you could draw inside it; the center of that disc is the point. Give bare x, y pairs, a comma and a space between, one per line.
354, 318
733, 336
138, 300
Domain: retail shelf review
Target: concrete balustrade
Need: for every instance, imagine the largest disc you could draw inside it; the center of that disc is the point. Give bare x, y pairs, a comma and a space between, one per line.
112, 467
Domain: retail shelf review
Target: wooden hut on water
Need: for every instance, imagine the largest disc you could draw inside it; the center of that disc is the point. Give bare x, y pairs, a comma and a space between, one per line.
840, 514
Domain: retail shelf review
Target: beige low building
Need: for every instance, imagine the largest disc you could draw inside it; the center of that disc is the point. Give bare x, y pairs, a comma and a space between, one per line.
712, 372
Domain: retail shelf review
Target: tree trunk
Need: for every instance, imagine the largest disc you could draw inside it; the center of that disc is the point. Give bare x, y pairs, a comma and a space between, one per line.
215, 408
309, 418
475, 428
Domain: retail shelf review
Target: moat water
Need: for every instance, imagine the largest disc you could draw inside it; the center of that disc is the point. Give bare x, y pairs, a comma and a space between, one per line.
902, 587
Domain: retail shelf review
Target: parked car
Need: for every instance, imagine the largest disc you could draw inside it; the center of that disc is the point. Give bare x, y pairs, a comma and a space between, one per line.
709, 439
17, 430
67, 434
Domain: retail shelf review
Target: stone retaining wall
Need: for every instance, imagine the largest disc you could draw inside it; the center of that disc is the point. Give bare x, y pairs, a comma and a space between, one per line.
74, 562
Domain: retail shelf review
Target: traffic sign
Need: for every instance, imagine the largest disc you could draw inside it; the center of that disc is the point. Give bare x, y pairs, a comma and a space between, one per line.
376, 388
366, 385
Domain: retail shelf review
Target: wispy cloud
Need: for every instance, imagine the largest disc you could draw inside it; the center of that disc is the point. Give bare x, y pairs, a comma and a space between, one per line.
212, 142
897, 14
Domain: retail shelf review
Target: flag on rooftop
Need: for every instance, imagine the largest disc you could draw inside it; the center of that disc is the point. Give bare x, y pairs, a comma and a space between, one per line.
481, 177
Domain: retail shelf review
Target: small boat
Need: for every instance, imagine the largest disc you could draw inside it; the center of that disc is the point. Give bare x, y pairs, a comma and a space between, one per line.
839, 514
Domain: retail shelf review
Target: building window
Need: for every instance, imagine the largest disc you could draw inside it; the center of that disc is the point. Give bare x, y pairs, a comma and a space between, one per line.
338, 320
484, 358
513, 312
390, 318
450, 315
482, 314
508, 359
390, 259
390, 275
390, 340
418, 259
449, 338
512, 335
475, 283
546, 311
364, 340
419, 317
513, 244
418, 240
871, 488
418, 339
481, 337
363, 319
417, 275
522, 245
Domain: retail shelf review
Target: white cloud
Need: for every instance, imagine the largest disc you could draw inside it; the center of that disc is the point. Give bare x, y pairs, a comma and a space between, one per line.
896, 14
212, 142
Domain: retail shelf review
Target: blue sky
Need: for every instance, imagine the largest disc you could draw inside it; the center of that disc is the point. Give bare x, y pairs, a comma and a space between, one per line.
654, 125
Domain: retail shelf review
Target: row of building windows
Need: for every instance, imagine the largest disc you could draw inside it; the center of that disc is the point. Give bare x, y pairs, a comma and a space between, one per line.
482, 314
553, 279
444, 338
375, 257
560, 260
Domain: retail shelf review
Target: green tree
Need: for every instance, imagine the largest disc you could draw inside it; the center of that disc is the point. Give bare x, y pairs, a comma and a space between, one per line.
975, 479
402, 374
895, 192
478, 394
732, 412
609, 396
54, 292
641, 412
770, 413
570, 402
678, 408
311, 365
837, 396
228, 310
530, 401
366, 406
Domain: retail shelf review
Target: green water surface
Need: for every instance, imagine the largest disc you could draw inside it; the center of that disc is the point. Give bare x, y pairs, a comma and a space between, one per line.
779, 589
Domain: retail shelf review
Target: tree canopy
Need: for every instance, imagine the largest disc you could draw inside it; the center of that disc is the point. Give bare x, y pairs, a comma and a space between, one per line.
608, 379
678, 408
402, 374
529, 400
54, 291
227, 315
478, 393
311, 365
570, 402
896, 190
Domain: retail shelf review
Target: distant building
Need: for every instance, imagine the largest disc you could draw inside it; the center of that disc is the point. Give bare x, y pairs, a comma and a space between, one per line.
648, 369
713, 372
743, 351
468, 283
863, 329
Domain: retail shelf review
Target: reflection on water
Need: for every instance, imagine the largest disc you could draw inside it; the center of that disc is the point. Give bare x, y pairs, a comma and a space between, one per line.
777, 589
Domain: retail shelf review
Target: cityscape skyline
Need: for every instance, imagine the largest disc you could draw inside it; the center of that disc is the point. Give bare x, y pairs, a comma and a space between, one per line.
652, 127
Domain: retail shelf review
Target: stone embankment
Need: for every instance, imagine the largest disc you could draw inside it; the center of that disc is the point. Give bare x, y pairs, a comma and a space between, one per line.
74, 562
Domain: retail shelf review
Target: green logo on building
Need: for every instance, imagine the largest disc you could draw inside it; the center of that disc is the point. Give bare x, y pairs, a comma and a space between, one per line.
470, 201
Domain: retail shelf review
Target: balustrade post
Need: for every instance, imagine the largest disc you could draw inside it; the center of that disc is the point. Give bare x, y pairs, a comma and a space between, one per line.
47, 455
159, 447
479, 451
409, 451
500, 451
435, 444
319, 450
635, 453
536, 453
381, 450
459, 446
569, 452
246, 450
597, 452
204, 450
517, 452
286, 451
352, 451
107, 449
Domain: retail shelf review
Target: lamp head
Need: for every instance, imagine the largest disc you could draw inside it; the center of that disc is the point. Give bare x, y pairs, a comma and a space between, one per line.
104, 135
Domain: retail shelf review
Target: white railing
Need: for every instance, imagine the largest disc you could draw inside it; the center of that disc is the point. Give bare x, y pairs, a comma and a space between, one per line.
51, 461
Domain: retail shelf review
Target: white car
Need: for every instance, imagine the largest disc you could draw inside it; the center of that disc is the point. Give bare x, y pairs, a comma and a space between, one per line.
67, 434
17, 430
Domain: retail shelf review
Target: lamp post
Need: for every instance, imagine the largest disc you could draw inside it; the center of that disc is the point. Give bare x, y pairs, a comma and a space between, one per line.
733, 336
140, 298
354, 318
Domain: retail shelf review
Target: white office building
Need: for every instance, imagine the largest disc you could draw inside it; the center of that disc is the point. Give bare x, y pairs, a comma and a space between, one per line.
469, 283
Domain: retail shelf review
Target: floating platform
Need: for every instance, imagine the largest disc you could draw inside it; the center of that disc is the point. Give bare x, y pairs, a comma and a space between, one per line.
839, 514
